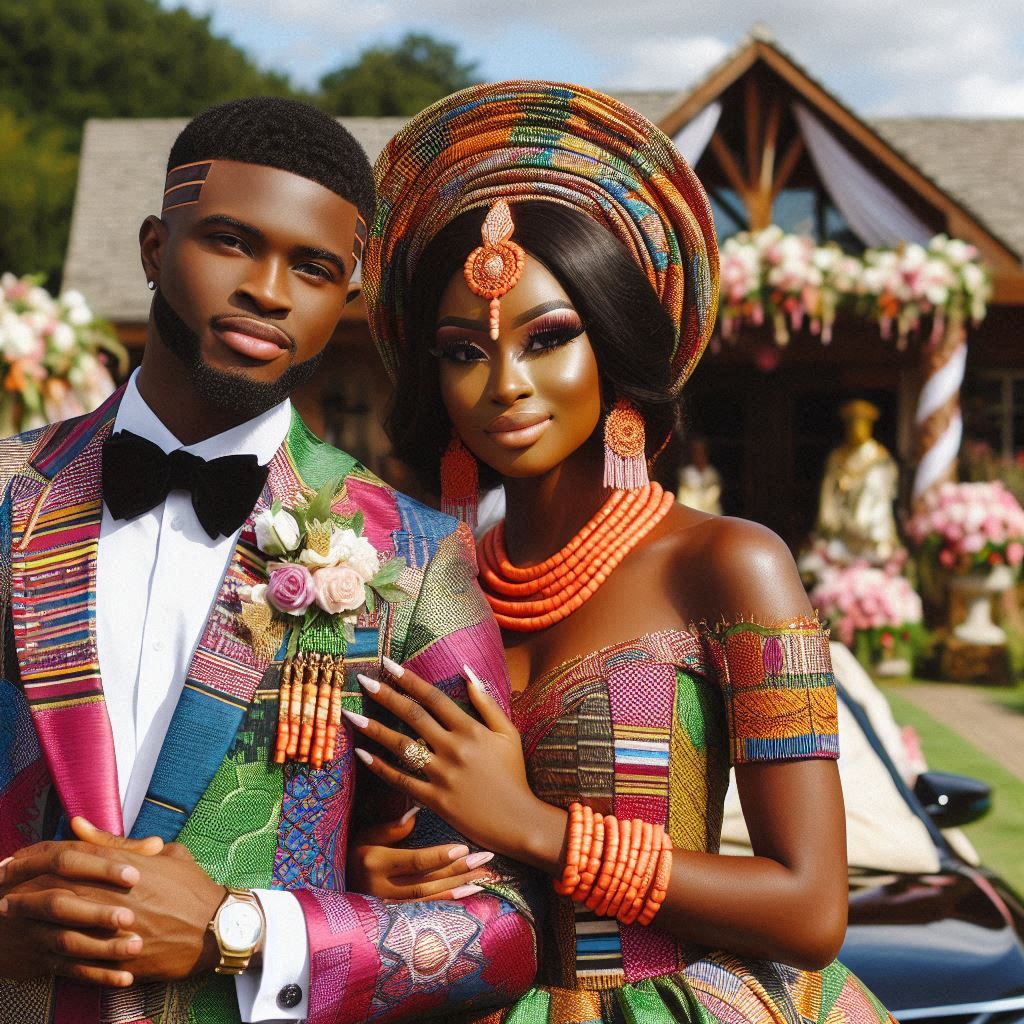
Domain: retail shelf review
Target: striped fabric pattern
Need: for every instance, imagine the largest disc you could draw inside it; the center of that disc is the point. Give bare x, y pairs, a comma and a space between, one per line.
649, 728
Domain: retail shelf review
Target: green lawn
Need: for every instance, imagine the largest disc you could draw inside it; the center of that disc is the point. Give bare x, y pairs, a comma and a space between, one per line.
999, 836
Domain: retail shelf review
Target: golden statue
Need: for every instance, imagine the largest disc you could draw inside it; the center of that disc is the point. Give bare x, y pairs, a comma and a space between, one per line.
858, 491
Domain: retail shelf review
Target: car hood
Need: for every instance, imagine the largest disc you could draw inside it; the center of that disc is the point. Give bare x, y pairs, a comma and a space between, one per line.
952, 939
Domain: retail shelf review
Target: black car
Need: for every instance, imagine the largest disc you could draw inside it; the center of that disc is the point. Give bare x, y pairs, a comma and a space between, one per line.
946, 945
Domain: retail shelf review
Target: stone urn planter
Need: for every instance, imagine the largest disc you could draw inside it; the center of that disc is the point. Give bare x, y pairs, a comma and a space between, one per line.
977, 588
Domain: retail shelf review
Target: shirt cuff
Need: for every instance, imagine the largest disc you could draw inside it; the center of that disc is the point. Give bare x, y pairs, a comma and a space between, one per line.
268, 995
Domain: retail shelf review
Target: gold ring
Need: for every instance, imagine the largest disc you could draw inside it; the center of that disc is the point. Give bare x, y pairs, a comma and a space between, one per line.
416, 755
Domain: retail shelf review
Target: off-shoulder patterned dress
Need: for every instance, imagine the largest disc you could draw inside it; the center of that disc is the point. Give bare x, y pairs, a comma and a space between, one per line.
649, 729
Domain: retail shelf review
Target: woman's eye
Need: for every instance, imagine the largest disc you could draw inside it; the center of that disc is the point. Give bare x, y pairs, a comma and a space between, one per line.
549, 338
458, 352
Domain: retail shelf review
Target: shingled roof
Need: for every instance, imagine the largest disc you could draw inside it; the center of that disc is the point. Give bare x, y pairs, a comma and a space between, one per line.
980, 163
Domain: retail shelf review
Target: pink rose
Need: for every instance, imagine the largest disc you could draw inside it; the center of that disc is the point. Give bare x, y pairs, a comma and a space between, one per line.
290, 589
338, 589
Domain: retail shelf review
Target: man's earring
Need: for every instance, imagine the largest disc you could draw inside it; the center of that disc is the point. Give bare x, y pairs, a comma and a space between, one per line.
625, 459
460, 482
151, 285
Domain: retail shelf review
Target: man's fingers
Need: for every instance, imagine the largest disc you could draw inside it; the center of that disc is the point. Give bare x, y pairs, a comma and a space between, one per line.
89, 833
77, 946
62, 907
68, 861
94, 974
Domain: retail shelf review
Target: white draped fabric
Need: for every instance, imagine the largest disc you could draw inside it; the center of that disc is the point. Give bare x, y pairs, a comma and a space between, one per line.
692, 139
875, 212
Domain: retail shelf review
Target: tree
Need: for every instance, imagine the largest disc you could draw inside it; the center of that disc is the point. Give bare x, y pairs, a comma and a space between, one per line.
63, 61
392, 81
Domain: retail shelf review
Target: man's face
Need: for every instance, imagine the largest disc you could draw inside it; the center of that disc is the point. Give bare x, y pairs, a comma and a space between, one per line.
252, 280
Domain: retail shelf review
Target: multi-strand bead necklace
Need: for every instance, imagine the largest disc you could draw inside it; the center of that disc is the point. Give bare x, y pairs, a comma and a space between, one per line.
526, 599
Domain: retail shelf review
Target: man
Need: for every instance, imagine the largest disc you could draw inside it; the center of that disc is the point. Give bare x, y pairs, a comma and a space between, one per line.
106, 559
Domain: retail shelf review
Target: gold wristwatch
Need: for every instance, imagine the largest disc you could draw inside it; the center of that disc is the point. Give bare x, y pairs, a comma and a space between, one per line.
238, 926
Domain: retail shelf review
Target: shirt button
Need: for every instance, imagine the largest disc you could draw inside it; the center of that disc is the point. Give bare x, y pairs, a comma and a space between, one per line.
177, 523
289, 996
158, 645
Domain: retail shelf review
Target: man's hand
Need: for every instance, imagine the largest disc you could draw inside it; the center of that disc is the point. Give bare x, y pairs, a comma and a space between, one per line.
67, 908
46, 927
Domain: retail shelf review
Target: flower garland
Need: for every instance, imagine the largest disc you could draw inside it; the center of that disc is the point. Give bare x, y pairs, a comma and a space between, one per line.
322, 576
55, 355
790, 280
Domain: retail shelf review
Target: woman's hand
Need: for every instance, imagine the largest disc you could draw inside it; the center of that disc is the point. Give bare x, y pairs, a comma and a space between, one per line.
474, 775
377, 867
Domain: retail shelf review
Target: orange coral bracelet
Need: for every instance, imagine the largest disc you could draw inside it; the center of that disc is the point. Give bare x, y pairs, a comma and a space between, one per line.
616, 868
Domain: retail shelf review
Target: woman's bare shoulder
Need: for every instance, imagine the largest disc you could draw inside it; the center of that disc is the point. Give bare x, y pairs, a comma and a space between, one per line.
734, 568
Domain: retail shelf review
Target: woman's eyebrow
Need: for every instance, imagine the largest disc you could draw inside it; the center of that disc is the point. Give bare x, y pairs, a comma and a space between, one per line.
458, 321
544, 307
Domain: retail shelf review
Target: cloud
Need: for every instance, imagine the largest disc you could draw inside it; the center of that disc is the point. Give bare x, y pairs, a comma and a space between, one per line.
878, 56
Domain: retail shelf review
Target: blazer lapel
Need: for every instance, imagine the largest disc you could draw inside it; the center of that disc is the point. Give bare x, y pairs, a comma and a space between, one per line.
223, 677
54, 542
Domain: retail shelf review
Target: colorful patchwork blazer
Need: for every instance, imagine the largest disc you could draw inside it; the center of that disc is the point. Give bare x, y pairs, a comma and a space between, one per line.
249, 822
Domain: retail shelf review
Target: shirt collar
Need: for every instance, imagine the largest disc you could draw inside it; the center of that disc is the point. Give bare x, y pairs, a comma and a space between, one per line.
260, 436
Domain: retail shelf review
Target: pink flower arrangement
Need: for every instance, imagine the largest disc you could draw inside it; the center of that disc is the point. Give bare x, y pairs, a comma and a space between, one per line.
55, 355
790, 281
291, 589
969, 526
861, 598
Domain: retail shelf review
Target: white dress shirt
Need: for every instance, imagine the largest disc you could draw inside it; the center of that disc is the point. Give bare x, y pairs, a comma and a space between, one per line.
157, 578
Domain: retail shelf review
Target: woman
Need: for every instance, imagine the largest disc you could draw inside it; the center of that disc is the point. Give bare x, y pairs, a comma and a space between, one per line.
542, 278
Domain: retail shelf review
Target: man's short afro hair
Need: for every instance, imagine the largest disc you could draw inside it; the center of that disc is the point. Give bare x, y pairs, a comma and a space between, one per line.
283, 133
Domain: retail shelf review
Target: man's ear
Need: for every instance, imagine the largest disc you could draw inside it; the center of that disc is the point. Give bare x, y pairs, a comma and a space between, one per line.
152, 237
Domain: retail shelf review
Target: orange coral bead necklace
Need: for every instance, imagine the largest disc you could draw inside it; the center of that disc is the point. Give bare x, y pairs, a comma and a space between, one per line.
530, 598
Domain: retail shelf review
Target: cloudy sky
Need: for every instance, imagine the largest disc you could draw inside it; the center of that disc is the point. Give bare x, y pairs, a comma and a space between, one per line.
882, 57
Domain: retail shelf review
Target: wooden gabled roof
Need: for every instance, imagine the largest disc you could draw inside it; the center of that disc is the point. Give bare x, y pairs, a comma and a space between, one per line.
930, 180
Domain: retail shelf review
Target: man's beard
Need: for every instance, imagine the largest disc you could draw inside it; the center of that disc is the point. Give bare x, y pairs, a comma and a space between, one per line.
230, 391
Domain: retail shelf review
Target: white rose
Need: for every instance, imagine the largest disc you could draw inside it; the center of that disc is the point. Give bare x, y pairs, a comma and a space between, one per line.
364, 559
339, 551
276, 534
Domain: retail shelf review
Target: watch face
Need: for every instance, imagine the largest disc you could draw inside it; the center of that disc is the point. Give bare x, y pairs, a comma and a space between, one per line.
239, 926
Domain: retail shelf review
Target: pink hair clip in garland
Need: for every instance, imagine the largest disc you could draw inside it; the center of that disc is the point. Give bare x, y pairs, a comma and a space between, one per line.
494, 268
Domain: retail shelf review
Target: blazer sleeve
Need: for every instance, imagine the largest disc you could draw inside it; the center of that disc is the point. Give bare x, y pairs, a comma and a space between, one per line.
373, 960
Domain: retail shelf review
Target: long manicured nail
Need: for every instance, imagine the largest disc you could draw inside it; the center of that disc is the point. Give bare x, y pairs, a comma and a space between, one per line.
474, 679
3, 905
475, 860
359, 721
462, 891
364, 755
411, 813
393, 667
457, 851
367, 683
3, 864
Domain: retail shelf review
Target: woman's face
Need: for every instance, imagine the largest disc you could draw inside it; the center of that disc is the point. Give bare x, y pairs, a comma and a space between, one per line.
526, 402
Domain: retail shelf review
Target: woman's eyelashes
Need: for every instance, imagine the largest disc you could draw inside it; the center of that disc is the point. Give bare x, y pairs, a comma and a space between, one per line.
547, 332
552, 330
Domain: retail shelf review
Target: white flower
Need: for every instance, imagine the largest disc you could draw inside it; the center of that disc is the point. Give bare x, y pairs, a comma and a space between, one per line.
62, 338
364, 559
338, 551
276, 534
254, 595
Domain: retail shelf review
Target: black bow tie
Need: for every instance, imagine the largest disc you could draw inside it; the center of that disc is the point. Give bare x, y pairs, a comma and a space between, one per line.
138, 475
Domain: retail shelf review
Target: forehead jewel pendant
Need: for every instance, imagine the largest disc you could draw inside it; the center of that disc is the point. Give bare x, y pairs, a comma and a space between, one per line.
493, 269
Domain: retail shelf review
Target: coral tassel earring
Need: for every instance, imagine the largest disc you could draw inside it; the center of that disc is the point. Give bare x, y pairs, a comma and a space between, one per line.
460, 487
625, 458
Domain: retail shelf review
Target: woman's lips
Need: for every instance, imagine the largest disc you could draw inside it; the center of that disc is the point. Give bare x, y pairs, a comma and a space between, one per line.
254, 339
517, 430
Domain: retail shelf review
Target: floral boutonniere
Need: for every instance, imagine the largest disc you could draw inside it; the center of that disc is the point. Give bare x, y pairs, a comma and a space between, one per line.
321, 574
